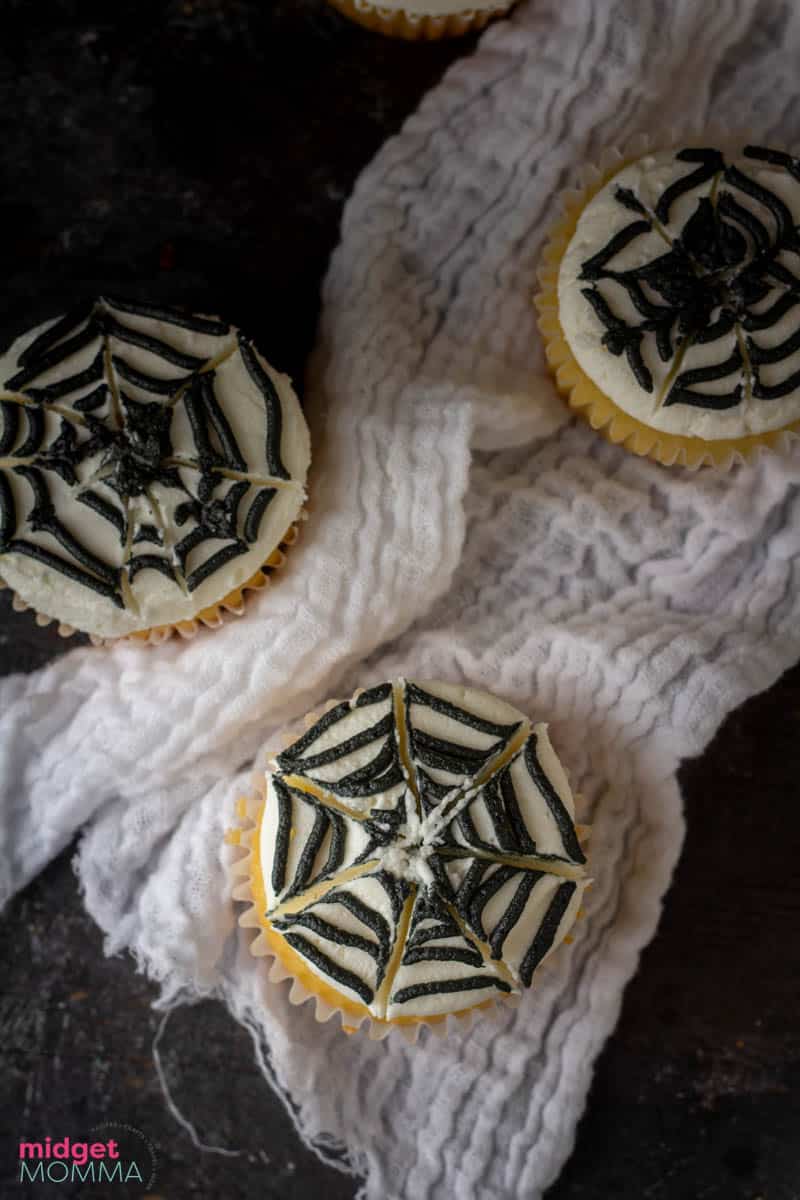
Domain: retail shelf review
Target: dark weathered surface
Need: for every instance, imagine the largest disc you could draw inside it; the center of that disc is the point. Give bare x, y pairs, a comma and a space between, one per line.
202, 152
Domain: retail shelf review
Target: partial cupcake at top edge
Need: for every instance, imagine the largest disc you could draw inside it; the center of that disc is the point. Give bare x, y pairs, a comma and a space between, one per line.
422, 19
413, 855
670, 302
152, 465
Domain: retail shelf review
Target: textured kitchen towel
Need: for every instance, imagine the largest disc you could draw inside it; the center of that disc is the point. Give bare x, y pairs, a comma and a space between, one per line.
462, 527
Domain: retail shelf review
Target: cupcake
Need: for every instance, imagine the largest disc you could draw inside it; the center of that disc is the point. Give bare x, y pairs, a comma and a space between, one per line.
413, 855
420, 19
152, 467
670, 302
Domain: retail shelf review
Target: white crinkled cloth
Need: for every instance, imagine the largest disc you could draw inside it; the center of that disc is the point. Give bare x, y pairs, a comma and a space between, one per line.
462, 527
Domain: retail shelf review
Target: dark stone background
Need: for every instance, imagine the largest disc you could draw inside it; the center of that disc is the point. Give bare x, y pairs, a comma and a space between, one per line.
201, 152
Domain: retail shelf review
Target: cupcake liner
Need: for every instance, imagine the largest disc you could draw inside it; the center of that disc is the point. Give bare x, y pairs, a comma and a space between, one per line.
232, 605
415, 27
285, 965
582, 395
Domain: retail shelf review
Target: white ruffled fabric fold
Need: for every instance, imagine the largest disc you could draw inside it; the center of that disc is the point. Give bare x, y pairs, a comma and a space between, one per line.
462, 527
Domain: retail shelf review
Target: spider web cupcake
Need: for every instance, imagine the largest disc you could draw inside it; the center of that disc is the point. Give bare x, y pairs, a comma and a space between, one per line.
152, 468
413, 856
670, 302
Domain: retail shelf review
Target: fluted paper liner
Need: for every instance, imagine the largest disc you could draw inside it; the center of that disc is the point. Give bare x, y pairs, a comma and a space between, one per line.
287, 965
232, 605
582, 395
415, 27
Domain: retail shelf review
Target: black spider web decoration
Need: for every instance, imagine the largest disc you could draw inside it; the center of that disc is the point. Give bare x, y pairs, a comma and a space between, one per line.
111, 448
708, 282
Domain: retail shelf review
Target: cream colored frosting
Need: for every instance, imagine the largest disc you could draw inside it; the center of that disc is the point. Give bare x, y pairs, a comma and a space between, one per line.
384, 830
176, 504
605, 217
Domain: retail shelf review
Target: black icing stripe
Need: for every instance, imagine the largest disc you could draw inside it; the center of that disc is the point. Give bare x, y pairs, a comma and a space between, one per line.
298, 748
274, 411
464, 954
62, 455
466, 827
435, 932
65, 387
546, 933
43, 518
760, 355
431, 793
707, 375
522, 840
338, 841
328, 967
711, 162
195, 412
311, 848
782, 275
381, 773
220, 559
58, 330
105, 510
769, 200
9, 430
149, 533
468, 886
717, 329
295, 755
664, 339
148, 383
454, 758
715, 403
398, 891
764, 391
776, 158
564, 822
620, 338
513, 912
653, 274
628, 199
483, 893
416, 695
150, 562
595, 266
368, 916
52, 358
383, 824
443, 987
232, 455
282, 835
255, 513
171, 316
374, 695
728, 206
153, 345
48, 559
8, 512
491, 796
753, 322
331, 933
92, 400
